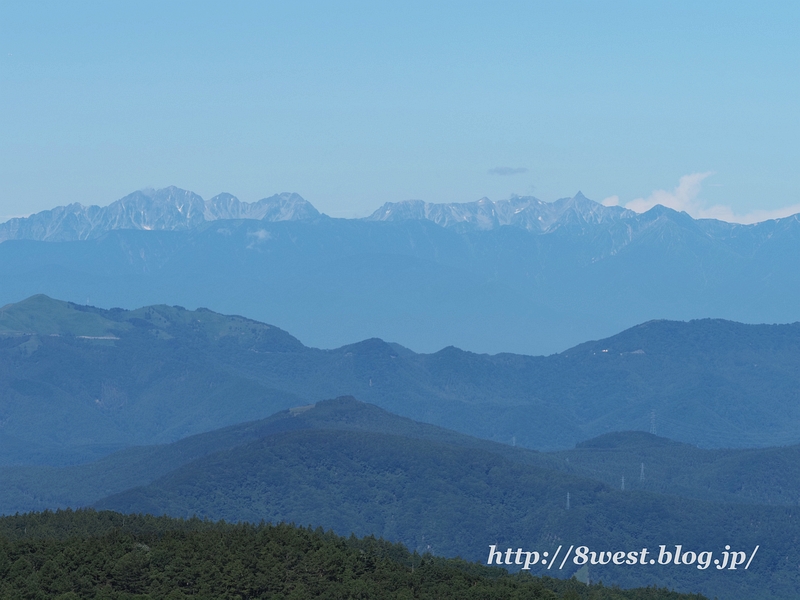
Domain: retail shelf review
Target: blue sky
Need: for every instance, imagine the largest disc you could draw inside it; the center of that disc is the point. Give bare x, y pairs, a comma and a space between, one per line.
694, 104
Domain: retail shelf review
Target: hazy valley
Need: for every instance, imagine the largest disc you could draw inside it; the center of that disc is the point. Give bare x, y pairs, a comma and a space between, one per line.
518, 276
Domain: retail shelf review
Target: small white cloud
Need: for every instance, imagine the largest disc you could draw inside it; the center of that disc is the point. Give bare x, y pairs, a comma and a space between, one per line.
507, 171
685, 198
611, 201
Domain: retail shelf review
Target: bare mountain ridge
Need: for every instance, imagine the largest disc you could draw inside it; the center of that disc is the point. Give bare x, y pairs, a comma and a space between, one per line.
174, 209
583, 272
526, 212
168, 209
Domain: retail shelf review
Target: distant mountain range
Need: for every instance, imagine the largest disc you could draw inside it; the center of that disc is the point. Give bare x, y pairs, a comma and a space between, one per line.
77, 382
161, 409
174, 209
512, 276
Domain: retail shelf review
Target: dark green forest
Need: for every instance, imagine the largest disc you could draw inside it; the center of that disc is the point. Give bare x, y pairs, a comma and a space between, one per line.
68, 555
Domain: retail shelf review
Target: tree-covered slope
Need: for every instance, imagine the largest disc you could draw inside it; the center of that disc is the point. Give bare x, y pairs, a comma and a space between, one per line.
70, 555
645, 461
354, 467
453, 500
39, 487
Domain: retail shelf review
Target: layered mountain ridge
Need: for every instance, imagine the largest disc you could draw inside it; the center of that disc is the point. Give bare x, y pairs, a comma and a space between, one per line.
175, 209
78, 382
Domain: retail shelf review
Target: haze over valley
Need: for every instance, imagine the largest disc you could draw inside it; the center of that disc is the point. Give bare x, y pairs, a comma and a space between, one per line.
519, 275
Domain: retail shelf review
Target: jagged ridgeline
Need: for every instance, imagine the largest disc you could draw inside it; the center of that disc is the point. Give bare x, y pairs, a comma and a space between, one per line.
517, 275
85, 554
168, 209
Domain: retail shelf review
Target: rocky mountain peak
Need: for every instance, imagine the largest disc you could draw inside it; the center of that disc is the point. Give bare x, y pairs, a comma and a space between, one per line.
526, 212
167, 209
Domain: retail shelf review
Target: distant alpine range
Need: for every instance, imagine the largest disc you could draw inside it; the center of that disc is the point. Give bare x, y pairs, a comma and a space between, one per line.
517, 275
170, 209
174, 209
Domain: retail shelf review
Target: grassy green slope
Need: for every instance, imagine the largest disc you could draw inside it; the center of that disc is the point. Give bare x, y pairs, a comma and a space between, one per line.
41, 315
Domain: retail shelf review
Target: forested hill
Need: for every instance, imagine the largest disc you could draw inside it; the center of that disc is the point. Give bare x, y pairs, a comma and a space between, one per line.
30, 488
455, 500
645, 461
86, 555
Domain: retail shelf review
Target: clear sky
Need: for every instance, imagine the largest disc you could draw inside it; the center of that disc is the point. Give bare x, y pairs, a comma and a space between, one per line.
351, 105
